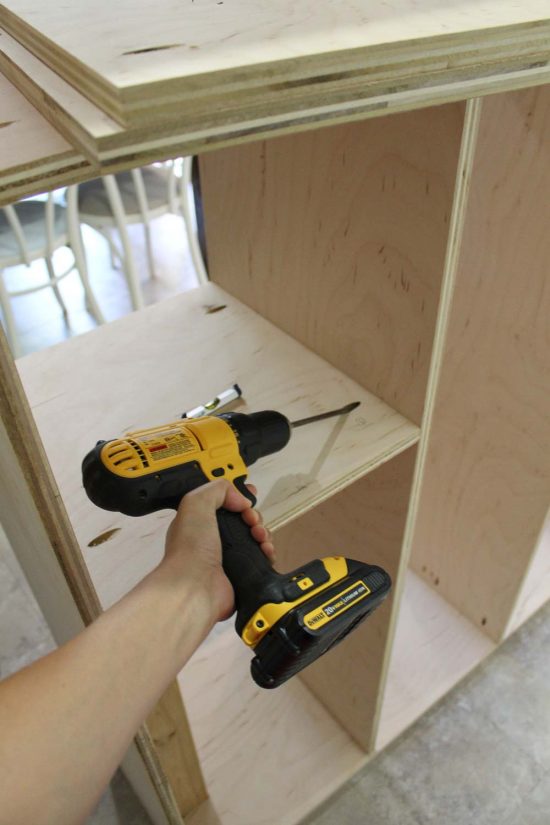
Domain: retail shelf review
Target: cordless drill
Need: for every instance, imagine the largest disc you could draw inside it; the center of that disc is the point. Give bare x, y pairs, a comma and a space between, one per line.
288, 619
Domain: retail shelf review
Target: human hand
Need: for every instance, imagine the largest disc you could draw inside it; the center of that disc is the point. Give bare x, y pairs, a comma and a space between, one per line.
193, 545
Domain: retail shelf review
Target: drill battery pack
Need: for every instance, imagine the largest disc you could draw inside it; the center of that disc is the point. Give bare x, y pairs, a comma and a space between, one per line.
314, 626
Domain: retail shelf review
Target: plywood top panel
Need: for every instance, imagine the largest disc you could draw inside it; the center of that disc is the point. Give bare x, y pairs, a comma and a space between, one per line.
129, 52
30, 149
150, 366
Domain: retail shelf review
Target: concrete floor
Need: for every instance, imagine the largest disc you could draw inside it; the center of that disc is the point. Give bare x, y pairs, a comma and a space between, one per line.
481, 756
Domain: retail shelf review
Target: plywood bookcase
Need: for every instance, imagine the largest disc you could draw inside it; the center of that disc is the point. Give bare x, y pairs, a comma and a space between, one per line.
400, 261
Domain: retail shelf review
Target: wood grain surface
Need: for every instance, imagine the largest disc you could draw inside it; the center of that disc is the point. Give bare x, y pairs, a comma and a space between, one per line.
434, 647
148, 367
339, 236
486, 484
366, 522
535, 589
168, 727
136, 58
32, 152
268, 756
194, 126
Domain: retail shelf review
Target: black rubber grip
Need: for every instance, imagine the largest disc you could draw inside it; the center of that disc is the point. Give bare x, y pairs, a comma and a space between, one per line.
245, 564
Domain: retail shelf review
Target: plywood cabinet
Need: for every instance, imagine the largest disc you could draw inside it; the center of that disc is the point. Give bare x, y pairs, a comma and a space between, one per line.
400, 260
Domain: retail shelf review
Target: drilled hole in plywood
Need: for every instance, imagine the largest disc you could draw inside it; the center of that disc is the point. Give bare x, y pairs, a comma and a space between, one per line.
484, 621
214, 308
436, 581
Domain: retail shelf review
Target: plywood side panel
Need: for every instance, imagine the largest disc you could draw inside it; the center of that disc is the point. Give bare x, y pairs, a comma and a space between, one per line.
366, 522
486, 484
338, 236
26, 454
33, 547
43, 540
173, 743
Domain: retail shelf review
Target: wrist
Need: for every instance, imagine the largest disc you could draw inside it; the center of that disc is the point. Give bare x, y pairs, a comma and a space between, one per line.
201, 584
185, 610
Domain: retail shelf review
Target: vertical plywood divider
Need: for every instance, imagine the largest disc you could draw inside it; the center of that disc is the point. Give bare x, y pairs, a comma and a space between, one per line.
486, 486
364, 522
338, 236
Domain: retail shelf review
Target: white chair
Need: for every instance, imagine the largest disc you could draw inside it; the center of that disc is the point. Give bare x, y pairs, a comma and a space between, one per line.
31, 230
139, 196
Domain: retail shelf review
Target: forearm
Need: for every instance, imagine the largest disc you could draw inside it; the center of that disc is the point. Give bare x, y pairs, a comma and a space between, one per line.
67, 720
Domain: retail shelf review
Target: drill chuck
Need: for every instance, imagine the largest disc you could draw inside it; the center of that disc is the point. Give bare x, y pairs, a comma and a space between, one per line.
259, 434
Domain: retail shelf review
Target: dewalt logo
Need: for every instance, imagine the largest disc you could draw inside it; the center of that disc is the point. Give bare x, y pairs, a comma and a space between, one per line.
327, 611
311, 621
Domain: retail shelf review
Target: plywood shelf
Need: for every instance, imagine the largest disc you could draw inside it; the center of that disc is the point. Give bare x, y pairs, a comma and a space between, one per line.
150, 366
434, 647
267, 756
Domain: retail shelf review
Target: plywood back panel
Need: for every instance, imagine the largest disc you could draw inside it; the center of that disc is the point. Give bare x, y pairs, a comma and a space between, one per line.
338, 236
486, 486
365, 522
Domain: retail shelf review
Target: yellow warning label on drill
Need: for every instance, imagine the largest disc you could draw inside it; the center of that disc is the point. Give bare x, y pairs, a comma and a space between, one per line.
338, 604
167, 444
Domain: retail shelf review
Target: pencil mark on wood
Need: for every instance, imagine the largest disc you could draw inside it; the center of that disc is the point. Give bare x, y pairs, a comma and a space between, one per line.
148, 49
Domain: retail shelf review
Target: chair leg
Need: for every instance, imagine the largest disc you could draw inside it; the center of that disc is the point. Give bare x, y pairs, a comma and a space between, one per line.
82, 268
128, 264
77, 247
130, 270
51, 274
114, 254
188, 219
149, 250
9, 319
